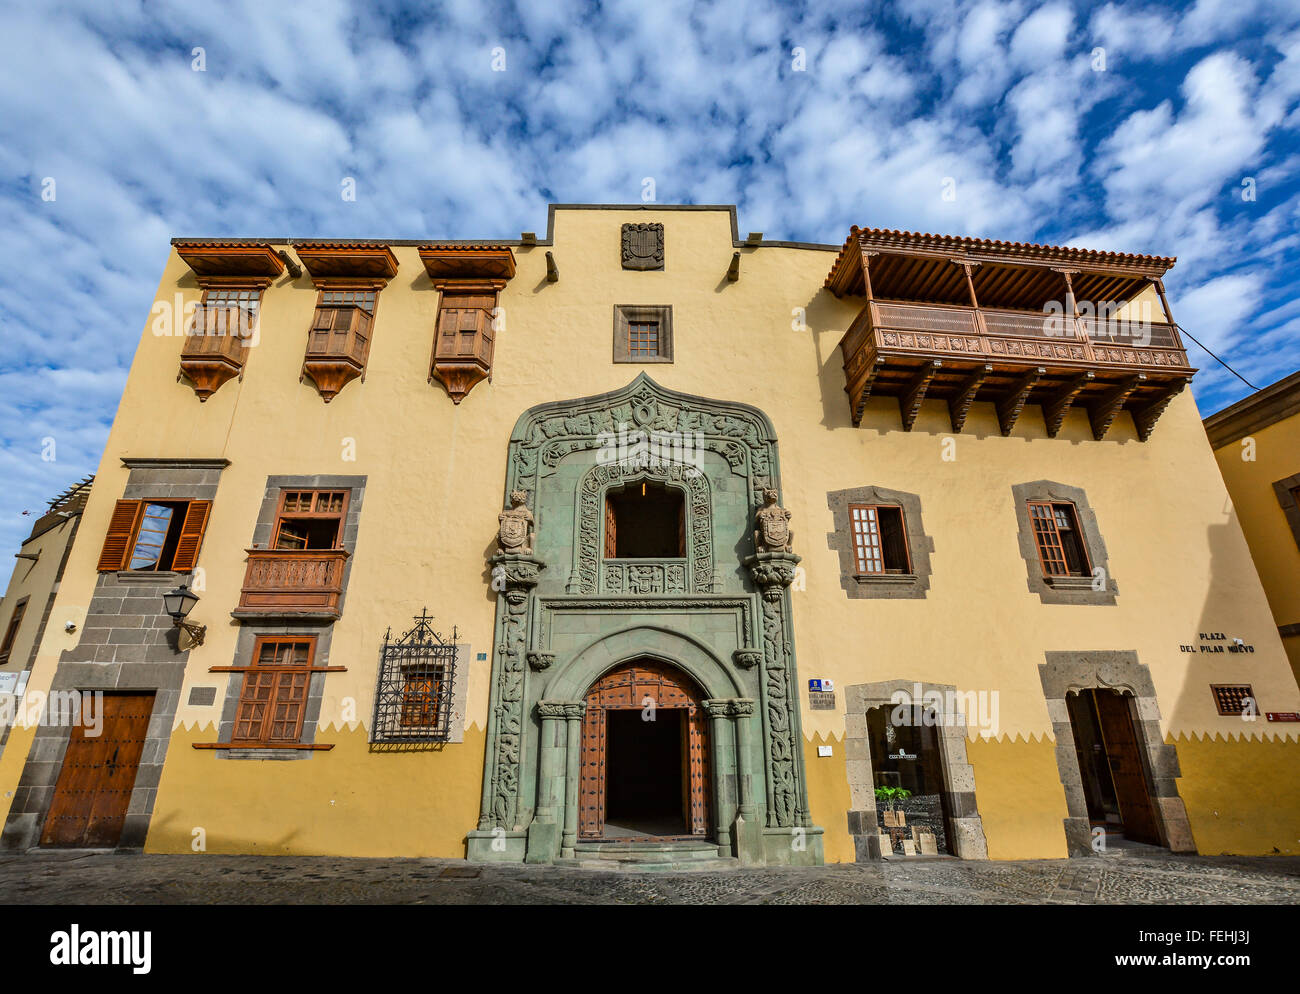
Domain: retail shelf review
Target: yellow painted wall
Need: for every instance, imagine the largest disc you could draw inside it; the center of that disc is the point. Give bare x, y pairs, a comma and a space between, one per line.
1250, 466
35, 581
828, 796
1240, 792
435, 479
1020, 797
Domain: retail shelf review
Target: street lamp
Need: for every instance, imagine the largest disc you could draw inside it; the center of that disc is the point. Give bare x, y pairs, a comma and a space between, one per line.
178, 603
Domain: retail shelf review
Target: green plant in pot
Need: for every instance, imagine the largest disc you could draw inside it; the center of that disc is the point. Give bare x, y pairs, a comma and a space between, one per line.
891, 795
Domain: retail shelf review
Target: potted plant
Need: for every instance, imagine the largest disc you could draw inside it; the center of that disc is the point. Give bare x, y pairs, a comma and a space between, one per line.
890, 796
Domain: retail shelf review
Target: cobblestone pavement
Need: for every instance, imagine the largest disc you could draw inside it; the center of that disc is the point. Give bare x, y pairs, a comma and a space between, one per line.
1155, 878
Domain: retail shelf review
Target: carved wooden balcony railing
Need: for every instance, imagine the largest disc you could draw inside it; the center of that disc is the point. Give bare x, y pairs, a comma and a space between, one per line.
216, 347
292, 583
961, 354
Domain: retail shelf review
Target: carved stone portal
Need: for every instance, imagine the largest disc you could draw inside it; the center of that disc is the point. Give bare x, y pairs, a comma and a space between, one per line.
515, 534
773, 526
643, 246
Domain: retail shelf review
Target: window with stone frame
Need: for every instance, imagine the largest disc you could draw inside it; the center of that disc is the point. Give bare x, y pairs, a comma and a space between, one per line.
154, 535
273, 699
879, 539
1061, 550
643, 333
11, 632
1288, 497
310, 519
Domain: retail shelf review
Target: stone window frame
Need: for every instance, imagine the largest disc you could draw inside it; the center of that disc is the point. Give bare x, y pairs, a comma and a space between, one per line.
880, 586
626, 314
967, 838
1286, 491
1062, 589
1112, 669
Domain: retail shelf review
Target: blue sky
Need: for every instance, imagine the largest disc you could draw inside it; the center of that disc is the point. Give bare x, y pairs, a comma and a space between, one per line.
1152, 153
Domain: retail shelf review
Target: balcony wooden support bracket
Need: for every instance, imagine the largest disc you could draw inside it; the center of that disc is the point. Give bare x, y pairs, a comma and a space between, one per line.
1055, 410
860, 401
909, 403
1103, 413
959, 404
1146, 416
1010, 406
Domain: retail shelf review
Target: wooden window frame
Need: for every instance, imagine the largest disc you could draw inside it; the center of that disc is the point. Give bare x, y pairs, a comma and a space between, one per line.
281, 516
421, 708
124, 530
861, 561
1218, 692
1047, 537
11, 630
360, 316
278, 673
627, 315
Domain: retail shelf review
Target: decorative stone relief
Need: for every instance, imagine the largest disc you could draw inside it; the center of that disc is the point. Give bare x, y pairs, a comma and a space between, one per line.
643, 246
773, 532
515, 528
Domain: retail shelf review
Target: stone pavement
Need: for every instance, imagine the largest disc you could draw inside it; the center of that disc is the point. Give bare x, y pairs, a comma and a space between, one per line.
1150, 877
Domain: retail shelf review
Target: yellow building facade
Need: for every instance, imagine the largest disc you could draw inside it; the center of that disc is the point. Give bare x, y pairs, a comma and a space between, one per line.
892, 534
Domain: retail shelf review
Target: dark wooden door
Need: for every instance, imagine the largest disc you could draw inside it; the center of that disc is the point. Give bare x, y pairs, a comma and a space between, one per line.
629, 687
98, 774
1124, 755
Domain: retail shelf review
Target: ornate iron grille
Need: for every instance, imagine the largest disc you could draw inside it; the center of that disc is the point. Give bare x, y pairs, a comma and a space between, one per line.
416, 673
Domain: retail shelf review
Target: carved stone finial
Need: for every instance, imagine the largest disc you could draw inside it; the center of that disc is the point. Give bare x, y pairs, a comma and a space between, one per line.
773, 526
515, 531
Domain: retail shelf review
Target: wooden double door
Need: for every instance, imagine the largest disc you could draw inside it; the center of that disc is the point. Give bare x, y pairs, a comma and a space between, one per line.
1110, 761
94, 787
645, 771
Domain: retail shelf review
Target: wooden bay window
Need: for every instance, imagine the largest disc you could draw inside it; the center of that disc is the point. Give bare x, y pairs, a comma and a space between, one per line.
465, 338
338, 344
218, 338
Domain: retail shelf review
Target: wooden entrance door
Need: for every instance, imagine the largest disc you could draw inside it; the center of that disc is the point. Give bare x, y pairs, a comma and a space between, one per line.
627, 687
1124, 756
98, 774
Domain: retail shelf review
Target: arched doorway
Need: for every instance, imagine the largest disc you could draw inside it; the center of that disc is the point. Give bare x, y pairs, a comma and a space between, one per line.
644, 756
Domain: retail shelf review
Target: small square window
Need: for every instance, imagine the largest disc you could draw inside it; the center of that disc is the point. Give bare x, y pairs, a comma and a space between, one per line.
879, 539
643, 333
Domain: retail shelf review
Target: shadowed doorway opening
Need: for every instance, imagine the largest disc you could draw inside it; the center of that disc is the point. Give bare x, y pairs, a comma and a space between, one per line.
645, 792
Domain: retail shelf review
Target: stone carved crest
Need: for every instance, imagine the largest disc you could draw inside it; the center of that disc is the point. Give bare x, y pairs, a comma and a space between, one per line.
515, 534
643, 246
773, 526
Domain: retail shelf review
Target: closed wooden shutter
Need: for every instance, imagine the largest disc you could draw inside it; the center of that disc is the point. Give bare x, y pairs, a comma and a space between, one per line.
121, 529
187, 548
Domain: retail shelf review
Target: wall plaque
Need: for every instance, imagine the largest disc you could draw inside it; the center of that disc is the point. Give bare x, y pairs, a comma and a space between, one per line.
821, 700
643, 246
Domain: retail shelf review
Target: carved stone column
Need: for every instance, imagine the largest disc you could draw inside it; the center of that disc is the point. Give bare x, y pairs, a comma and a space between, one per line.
573, 715
720, 712
513, 577
543, 831
772, 573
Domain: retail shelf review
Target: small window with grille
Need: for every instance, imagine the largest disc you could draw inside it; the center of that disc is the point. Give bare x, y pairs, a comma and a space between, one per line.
416, 674
1234, 699
643, 333
1060, 545
879, 539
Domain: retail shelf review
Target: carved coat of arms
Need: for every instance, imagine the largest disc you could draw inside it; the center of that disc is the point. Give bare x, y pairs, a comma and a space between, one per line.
516, 523
773, 532
643, 246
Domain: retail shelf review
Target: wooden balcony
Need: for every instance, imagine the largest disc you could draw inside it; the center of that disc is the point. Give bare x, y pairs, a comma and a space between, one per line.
292, 583
962, 354
215, 349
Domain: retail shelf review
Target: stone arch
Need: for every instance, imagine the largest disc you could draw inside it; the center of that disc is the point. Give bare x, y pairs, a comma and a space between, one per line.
586, 577
575, 677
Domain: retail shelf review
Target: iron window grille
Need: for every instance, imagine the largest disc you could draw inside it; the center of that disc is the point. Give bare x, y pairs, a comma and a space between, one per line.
416, 674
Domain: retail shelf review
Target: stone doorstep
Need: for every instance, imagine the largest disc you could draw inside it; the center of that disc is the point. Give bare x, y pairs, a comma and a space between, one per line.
700, 865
